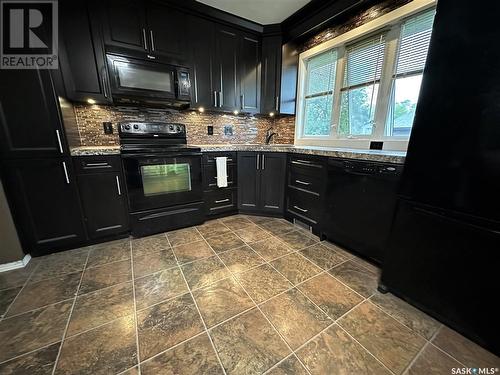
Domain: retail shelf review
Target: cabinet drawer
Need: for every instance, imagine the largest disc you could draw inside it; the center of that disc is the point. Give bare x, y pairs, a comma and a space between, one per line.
93, 164
209, 157
303, 205
210, 176
307, 165
219, 201
305, 182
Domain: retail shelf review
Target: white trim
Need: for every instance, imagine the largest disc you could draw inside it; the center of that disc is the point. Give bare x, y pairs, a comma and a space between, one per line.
389, 20
15, 265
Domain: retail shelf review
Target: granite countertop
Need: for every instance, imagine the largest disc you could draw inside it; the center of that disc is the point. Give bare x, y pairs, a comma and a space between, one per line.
94, 150
385, 156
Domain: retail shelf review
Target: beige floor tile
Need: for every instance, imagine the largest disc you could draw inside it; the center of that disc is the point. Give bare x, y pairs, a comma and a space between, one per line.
295, 317
182, 236
205, 271
392, 343
290, 366
149, 245
270, 248
433, 361
40, 362
464, 350
6, 298
322, 256
225, 242
334, 298
147, 264
236, 222
263, 282
213, 228
221, 300
159, 286
167, 324
296, 268
109, 349
240, 259
192, 251
195, 356
357, 277
297, 240
106, 275
100, 307
248, 344
252, 233
109, 252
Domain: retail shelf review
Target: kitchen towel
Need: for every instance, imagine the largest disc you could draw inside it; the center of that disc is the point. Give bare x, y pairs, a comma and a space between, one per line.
221, 164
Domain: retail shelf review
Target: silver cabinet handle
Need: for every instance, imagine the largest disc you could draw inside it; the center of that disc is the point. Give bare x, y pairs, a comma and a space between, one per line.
277, 103
93, 165
215, 98
221, 99
258, 158
302, 182
300, 209
263, 162
144, 39
59, 141
222, 200
65, 172
151, 57
242, 101
152, 40
103, 79
118, 185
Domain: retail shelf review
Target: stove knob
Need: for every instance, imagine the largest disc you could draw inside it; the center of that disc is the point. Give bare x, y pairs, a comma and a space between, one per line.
171, 128
127, 127
179, 129
136, 126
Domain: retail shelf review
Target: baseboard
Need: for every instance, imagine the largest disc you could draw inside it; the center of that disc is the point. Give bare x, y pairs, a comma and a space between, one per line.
15, 265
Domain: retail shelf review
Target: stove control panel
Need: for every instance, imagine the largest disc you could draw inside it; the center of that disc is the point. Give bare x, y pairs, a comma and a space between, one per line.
151, 129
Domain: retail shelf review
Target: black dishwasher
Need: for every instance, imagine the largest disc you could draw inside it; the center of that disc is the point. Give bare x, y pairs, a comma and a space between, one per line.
360, 203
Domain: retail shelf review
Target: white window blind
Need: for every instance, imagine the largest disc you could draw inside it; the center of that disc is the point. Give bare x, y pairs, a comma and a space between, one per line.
410, 62
363, 69
414, 43
318, 96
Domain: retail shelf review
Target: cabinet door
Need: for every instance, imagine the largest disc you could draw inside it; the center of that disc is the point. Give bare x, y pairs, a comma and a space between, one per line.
250, 74
125, 24
164, 30
272, 182
226, 74
248, 180
271, 74
201, 35
104, 204
81, 54
30, 125
44, 200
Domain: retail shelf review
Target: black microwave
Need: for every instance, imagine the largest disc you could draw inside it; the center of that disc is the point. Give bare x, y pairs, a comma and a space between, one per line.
135, 81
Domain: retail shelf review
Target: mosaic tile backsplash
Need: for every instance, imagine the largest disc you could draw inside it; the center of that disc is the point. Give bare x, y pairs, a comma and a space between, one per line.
245, 129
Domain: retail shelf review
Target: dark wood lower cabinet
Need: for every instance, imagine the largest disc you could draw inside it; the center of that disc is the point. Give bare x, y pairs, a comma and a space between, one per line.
262, 185
104, 204
44, 201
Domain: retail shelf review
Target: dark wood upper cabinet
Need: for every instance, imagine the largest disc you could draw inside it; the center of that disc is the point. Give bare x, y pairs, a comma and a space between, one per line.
165, 25
81, 54
45, 204
124, 24
288, 85
227, 77
271, 74
250, 74
29, 126
202, 56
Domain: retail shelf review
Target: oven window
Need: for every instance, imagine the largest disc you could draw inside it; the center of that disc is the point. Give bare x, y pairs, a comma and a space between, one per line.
135, 77
165, 178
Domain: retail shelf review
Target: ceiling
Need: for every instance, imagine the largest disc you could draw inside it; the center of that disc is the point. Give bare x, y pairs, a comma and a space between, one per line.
264, 12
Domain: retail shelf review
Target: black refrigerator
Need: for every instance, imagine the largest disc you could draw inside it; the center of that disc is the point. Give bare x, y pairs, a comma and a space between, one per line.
444, 248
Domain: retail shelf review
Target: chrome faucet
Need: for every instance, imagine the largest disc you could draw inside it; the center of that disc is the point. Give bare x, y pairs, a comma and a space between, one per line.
269, 135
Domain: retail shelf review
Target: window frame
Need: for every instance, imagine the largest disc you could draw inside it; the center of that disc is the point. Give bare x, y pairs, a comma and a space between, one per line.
390, 24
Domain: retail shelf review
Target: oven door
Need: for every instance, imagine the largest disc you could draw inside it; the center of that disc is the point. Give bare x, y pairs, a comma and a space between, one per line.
141, 79
156, 181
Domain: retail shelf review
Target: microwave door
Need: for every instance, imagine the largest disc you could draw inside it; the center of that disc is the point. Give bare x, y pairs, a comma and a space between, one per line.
140, 80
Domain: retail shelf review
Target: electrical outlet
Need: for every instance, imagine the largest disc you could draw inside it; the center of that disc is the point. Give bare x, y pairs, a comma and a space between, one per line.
228, 129
108, 127
210, 130
376, 145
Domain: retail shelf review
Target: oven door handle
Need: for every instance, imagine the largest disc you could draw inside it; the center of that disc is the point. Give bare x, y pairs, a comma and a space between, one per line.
161, 155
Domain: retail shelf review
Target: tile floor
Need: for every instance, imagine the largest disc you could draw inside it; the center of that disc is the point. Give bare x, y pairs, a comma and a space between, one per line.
239, 295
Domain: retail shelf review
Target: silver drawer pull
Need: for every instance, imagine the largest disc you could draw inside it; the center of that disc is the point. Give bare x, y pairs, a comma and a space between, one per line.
59, 142
118, 185
300, 209
302, 182
222, 200
66, 176
104, 164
